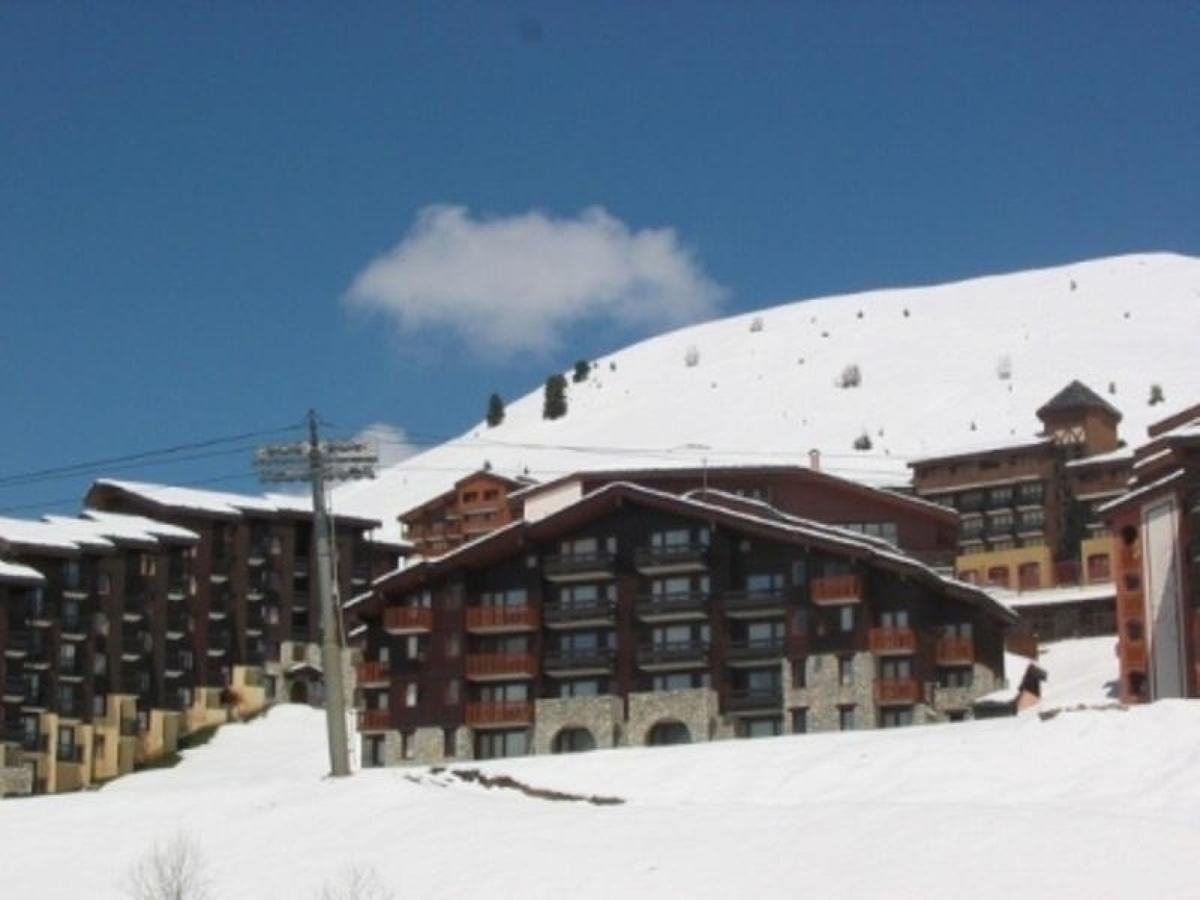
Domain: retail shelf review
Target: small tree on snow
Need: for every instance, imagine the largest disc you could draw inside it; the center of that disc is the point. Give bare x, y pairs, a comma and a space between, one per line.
172, 870
863, 442
851, 376
756, 324
692, 356
1156, 394
356, 883
582, 367
1004, 368
554, 398
495, 411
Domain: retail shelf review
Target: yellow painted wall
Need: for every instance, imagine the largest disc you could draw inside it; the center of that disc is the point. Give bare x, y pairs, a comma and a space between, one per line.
250, 687
1012, 559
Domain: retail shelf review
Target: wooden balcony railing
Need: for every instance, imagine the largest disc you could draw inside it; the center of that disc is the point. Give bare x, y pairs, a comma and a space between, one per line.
502, 618
674, 604
374, 719
498, 713
955, 651
373, 672
836, 589
754, 601
407, 619
491, 665
892, 641
578, 564
897, 692
678, 556
757, 648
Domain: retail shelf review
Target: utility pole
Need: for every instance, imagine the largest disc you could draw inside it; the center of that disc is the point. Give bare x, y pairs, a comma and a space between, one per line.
318, 463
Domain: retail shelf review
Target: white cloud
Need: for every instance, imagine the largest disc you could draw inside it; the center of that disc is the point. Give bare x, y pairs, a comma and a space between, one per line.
391, 442
512, 284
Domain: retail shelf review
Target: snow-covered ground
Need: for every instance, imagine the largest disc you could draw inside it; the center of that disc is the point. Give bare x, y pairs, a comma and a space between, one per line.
942, 368
1087, 804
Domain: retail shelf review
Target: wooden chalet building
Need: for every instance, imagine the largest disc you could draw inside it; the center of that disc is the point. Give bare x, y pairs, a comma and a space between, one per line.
158, 612
634, 616
476, 505
1030, 508
1156, 540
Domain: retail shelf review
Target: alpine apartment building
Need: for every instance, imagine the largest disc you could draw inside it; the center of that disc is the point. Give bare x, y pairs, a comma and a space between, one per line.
634, 616
1156, 540
159, 611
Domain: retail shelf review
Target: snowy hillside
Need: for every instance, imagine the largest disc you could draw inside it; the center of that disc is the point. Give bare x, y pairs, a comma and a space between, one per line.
1086, 804
942, 368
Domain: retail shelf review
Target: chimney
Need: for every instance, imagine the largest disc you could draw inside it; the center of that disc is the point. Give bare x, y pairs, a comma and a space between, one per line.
814, 459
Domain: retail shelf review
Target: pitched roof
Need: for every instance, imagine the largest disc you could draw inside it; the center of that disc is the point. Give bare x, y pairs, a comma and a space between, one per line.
1077, 395
15, 573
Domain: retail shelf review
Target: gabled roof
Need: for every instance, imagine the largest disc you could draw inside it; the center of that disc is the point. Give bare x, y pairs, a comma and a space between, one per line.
46, 537
15, 573
1076, 396
773, 525
114, 523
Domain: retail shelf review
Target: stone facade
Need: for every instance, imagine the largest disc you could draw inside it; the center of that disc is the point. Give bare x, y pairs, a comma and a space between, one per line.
16, 779
962, 699
824, 696
696, 708
601, 716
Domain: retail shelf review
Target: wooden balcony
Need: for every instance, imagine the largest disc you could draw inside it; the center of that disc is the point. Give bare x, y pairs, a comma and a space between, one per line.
673, 607
1133, 653
498, 666
836, 590
373, 673
676, 559
501, 619
578, 615
1130, 605
955, 651
754, 604
374, 719
749, 652
897, 692
579, 566
498, 715
755, 700
408, 620
672, 655
892, 641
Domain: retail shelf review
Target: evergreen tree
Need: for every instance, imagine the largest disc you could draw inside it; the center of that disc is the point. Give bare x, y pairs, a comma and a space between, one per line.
582, 368
554, 401
495, 411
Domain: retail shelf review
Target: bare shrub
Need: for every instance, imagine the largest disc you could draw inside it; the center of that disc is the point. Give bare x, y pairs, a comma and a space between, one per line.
851, 377
174, 869
356, 882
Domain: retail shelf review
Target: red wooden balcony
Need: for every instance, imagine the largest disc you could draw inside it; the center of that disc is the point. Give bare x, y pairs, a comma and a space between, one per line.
1134, 654
955, 651
897, 692
892, 641
496, 715
374, 719
834, 590
408, 619
496, 619
484, 666
373, 673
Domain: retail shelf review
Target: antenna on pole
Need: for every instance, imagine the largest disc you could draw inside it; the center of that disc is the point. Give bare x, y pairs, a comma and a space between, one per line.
319, 463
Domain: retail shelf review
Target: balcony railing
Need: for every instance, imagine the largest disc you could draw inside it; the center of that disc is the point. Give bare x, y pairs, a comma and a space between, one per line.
374, 719
674, 558
755, 648
360, 574
501, 618
373, 672
684, 604
500, 665
15, 689
888, 641
72, 668
133, 646
752, 601
754, 699
407, 619
674, 653
576, 659
562, 614
300, 565
579, 565
494, 714
953, 651
897, 691
833, 590
18, 644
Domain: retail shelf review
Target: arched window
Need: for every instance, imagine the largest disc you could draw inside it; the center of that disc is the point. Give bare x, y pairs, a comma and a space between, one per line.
668, 732
573, 740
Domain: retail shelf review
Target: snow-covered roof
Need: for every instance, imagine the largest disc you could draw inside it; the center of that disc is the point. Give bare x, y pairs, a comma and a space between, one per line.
16, 573
983, 449
1057, 596
1121, 454
114, 523
1144, 489
49, 536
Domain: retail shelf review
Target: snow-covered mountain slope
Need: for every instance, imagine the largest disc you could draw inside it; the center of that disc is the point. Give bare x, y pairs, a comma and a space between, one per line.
942, 368
1087, 804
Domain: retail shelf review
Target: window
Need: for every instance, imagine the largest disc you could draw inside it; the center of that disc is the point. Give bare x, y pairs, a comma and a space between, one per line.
66, 743
763, 727
449, 742
764, 583
452, 692
800, 721
957, 630
1001, 496
845, 671
997, 576
453, 645
407, 745
679, 681
1029, 576
896, 717
956, 677
799, 673
887, 531
1031, 492
895, 668
509, 692
1098, 567
510, 597
846, 718
846, 619
582, 687
470, 496
894, 618
410, 694
675, 538
497, 744
1032, 519
799, 620
1000, 522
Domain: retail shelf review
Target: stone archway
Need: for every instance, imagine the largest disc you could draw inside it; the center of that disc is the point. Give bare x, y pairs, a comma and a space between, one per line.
667, 732
573, 740
298, 691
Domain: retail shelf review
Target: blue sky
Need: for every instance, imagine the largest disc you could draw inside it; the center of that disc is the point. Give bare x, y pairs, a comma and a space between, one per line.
190, 192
